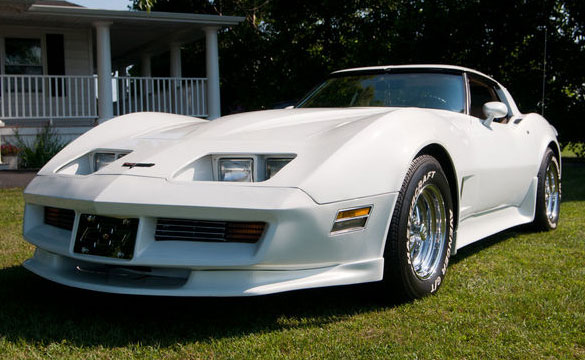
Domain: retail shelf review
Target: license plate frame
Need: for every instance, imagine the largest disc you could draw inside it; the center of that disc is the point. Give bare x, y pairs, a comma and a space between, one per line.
106, 236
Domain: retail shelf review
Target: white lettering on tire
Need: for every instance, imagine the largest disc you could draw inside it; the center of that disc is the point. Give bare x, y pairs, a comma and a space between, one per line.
449, 243
435, 285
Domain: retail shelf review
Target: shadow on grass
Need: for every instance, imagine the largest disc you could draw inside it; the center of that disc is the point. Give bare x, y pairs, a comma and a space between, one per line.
43, 312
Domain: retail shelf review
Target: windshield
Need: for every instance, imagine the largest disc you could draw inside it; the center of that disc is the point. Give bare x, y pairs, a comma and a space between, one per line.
416, 89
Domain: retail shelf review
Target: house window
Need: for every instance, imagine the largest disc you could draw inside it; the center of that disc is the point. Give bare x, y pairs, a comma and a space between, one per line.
23, 56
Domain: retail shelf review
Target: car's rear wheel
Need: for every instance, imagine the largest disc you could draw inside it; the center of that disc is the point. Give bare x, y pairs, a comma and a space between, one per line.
421, 232
548, 196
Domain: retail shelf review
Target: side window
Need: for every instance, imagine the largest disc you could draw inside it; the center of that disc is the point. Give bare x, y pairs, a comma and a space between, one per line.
481, 93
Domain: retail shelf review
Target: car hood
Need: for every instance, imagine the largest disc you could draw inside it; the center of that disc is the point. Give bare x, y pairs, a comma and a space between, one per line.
290, 126
306, 133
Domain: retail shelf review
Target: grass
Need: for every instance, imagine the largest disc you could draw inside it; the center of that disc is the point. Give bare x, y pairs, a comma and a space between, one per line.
515, 295
568, 153
573, 151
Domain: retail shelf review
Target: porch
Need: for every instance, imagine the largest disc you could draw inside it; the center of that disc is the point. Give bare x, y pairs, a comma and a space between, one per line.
72, 100
67, 65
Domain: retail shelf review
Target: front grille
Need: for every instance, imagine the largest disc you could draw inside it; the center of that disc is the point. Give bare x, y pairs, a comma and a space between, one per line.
61, 218
212, 231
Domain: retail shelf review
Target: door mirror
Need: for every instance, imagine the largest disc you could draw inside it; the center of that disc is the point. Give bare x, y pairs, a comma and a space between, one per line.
494, 110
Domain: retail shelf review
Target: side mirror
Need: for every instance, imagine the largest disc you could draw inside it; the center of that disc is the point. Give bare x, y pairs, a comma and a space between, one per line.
494, 110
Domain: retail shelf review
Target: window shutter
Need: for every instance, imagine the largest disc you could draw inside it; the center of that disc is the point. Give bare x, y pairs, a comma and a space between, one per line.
56, 62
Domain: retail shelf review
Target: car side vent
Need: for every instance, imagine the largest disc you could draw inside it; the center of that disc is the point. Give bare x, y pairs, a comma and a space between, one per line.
61, 218
210, 231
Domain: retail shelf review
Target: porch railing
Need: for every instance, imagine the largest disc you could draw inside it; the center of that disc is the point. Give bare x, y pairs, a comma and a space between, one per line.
47, 97
184, 96
71, 97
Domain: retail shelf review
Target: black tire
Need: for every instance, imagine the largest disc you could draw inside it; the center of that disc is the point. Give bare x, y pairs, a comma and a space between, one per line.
401, 280
546, 219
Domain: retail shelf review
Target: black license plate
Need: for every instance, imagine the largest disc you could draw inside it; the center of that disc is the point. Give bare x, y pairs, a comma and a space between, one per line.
106, 236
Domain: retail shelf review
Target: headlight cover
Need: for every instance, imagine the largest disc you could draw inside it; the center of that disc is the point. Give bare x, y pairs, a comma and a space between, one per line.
91, 162
103, 159
274, 165
236, 170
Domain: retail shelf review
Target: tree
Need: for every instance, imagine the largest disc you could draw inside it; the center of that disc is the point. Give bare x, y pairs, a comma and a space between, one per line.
286, 47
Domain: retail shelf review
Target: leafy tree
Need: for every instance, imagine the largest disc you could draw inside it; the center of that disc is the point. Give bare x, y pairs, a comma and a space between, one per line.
287, 46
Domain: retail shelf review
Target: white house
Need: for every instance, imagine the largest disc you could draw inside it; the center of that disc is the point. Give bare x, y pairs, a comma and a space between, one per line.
65, 65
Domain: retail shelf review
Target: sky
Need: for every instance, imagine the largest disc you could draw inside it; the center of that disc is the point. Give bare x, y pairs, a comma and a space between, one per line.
104, 4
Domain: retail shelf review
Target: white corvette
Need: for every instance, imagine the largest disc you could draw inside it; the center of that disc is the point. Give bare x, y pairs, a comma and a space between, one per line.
380, 173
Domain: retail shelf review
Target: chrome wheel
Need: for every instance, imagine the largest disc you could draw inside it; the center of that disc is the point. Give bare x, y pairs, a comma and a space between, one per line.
426, 231
551, 191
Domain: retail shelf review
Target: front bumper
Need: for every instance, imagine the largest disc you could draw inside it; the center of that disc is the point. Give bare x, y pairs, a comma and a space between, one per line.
296, 250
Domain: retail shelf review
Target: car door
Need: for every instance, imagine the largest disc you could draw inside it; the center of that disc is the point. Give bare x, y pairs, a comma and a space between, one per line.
500, 175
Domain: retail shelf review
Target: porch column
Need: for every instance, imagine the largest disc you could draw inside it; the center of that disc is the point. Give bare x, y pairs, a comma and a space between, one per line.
212, 65
175, 60
104, 69
145, 67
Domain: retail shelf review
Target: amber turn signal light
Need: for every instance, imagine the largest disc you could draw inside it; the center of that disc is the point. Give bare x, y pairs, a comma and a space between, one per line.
353, 213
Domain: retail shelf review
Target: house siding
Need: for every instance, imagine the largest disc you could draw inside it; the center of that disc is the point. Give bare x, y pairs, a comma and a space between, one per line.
77, 53
77, 47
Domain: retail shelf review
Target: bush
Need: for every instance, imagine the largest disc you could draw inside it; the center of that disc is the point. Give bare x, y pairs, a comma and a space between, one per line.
46, 144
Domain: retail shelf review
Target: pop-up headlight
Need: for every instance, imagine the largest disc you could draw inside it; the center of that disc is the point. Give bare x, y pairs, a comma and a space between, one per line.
234, 167
237, 170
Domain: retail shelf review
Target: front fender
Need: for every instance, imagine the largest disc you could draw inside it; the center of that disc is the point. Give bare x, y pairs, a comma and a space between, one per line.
375, 160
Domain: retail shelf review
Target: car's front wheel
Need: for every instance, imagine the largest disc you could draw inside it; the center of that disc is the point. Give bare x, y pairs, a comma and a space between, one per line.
420, 237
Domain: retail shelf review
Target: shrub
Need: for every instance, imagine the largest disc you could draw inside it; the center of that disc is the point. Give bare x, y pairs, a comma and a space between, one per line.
46, 144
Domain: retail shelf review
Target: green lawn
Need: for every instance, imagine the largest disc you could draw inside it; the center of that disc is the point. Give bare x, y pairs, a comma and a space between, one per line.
574, 151
515, 295
568, 153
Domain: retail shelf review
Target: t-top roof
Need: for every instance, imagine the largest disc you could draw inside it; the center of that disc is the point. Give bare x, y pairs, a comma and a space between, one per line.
415, 66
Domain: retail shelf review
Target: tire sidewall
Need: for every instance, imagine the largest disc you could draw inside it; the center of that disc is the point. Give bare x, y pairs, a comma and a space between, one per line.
428, 172
541, 218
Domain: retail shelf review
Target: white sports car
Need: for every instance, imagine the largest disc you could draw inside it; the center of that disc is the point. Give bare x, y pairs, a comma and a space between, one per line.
379, 174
